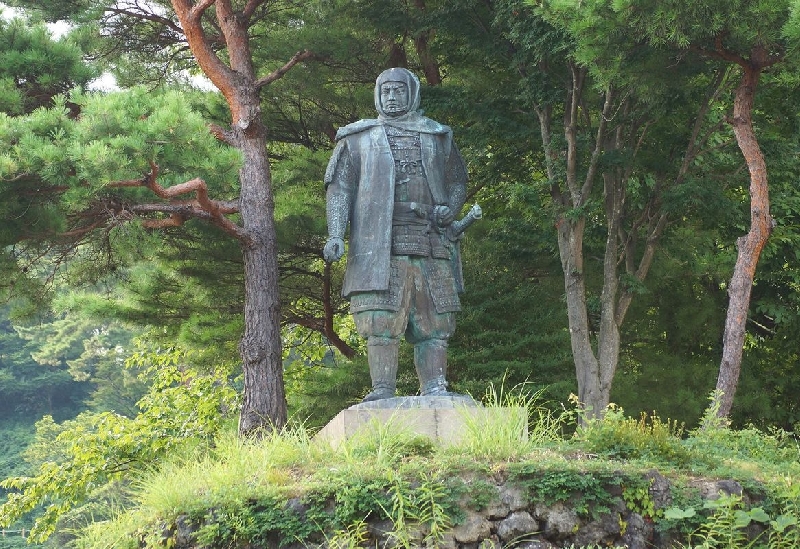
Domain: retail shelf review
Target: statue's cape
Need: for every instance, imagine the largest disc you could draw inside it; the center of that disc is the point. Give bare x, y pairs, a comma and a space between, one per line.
412, 122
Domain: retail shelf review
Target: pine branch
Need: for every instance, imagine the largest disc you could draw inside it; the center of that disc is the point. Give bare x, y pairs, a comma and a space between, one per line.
202, 207
278, 73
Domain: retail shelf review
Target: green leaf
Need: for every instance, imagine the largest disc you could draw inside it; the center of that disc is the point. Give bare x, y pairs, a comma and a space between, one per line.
676, 513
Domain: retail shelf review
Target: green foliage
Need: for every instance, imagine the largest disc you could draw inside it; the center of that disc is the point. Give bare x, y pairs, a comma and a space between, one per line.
188, 285
92, 352
512, 423
420, 506
17, 434
784, 529
66, 175
116, 139
233, 489
479, 493
80, 455
34, 68
620, 437
512, 322
772, 450
638, 499
351, 537
587, 494
259, 524
291, 488
726, 525
30, 389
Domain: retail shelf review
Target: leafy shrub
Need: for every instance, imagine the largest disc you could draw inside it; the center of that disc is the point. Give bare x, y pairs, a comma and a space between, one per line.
183, 407
776, 446
648, 437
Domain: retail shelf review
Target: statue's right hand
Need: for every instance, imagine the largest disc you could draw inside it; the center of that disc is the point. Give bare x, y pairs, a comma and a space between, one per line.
334, 249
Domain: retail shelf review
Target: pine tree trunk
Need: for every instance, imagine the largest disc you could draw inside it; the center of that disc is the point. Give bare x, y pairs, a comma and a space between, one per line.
749, 246
264, 400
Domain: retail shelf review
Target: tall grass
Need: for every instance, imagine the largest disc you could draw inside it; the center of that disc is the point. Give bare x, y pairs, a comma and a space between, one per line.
513, 423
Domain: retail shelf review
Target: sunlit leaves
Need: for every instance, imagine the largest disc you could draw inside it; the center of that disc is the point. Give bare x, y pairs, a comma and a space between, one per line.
182, 406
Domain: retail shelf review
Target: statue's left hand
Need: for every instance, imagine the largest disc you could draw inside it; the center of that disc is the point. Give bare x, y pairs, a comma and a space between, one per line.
443, 215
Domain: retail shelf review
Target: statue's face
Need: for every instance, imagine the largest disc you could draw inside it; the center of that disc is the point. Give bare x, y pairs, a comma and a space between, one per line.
394, 98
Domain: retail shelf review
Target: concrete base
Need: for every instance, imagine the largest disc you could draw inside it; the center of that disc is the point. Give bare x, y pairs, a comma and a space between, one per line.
443, 419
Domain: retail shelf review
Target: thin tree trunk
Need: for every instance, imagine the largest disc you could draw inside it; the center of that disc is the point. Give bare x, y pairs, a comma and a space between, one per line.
593, 395
569, 234
608, 336
749, 246
570, 247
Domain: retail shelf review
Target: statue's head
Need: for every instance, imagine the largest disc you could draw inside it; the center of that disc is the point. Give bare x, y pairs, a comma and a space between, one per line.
396, 92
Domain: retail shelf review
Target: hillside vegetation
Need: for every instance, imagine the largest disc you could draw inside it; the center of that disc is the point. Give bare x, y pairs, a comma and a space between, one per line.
288, 490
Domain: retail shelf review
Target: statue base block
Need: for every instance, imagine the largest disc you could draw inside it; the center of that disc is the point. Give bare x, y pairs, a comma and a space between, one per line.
446, 420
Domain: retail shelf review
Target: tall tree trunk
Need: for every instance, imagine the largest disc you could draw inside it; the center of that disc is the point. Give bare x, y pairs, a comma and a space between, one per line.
608, 340
749, 246
593, 393
587, 368
264, 400
596, 369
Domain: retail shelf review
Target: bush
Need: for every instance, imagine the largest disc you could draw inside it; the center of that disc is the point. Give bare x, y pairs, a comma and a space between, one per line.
620, 437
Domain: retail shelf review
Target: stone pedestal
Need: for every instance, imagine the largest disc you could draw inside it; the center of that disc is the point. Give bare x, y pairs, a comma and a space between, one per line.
443, 419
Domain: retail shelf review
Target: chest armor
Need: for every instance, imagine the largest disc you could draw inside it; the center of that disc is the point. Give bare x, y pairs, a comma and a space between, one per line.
412, 232
410, 183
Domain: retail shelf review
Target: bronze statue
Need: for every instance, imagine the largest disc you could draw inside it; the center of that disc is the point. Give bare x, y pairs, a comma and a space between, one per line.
399, 180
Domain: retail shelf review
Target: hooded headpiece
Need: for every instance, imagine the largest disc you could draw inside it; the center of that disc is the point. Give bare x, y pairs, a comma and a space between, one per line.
410, 121
398, 75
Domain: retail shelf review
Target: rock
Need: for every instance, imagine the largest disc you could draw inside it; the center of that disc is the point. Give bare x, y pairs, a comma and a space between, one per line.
711, 489
599, 532
497, 510
659, 489
514, 497
516, 526
184, 531
638, 532
490, 543
380, 529
509, 499
559, 521
448, 541
474, 528
535, 544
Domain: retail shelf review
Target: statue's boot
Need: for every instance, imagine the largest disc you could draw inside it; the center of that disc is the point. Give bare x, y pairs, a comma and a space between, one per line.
430, 359
382, 359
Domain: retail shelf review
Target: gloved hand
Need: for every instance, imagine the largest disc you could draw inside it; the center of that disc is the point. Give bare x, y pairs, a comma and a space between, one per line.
442, 215
334, 249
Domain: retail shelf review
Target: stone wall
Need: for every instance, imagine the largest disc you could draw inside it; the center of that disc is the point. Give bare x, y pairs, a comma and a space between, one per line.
509, 516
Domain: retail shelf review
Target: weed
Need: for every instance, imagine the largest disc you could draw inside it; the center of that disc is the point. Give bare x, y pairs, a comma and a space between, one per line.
511, 423
586, 493
351, 537
418, 514
621, 437
636, 494
287, 488
784, 532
